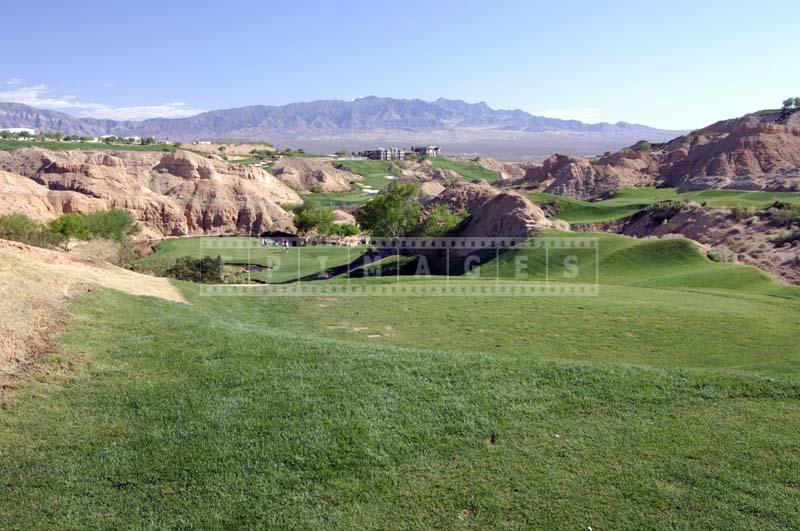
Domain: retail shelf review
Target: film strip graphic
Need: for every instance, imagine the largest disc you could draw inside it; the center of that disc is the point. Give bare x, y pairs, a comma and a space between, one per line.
435, 266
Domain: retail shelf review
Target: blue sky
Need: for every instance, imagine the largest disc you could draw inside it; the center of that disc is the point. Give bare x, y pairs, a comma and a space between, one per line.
675, 64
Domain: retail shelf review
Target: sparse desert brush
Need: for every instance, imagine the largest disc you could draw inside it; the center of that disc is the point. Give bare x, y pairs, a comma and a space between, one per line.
206, 270
722, 254
783, 214
786, 237
741, 213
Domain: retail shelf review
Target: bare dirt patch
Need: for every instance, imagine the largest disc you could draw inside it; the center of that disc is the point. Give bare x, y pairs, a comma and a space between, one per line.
35, 285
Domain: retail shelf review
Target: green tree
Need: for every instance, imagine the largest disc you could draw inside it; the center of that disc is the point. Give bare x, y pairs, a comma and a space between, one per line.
341, 153
311, 215
797, 103
115, 224
787, 103
393, 213
70, 226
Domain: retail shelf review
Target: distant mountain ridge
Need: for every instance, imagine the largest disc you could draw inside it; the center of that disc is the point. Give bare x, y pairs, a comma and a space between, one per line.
323, 117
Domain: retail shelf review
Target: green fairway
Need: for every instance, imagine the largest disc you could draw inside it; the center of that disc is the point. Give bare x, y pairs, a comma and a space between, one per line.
280, 265
668, 400
629, 201
662, 303
374, 173
10, 145
467, 169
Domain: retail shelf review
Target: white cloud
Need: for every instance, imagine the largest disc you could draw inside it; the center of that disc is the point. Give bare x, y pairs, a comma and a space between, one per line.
38, 96
14, 81
584, 114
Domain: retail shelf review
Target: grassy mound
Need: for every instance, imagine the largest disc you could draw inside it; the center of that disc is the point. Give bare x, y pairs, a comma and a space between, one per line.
467, 169
627, 202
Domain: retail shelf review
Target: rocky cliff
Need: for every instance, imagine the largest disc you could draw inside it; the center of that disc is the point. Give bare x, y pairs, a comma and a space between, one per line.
170, 194
313, 174
755, 152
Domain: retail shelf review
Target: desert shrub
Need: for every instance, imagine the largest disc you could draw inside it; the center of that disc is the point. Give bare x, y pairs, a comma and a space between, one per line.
115, 224
205, 270
741, 213
440, 221
21, 228
345, 229
311, 215
783, 214
69, 226
722, 254
315, 189
664, 210
786, 237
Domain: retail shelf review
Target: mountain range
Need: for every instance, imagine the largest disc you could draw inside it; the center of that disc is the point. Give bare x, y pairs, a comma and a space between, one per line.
352, 124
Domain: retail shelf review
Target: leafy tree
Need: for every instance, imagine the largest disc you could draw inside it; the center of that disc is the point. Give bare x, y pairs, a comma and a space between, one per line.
393, 213
797, 103
787, 103
311, 215
341, 153
70, 226
115, 224
441, 220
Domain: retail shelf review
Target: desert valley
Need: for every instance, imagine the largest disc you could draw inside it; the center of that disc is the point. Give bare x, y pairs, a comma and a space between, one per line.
396, 313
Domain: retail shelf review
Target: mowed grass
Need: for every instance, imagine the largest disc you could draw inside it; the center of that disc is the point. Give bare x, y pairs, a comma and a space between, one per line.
662, 402
280, 264
374, 173
467, 169
10, 145
661, 303
627, 202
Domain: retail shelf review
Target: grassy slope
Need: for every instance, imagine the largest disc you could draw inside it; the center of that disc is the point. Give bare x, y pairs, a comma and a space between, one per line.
240, 412
10, 145
661, 303
629, 201
225, 414
374, 174
285, 265
467, 169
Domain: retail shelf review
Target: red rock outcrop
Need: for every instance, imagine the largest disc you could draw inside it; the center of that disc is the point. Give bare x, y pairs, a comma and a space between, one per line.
170, 194
311, 174
755, 152
492, 212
